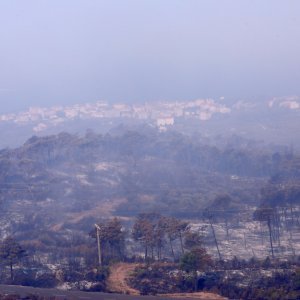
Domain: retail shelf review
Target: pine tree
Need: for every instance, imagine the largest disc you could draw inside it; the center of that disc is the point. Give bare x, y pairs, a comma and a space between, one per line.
10, 253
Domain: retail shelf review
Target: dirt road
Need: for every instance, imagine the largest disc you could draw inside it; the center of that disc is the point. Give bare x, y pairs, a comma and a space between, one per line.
199, 296
117, 281
120, 272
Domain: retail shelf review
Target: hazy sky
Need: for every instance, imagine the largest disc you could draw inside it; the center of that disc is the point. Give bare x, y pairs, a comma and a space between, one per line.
68, 51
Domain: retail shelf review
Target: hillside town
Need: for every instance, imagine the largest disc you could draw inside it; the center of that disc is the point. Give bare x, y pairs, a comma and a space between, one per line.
161, 113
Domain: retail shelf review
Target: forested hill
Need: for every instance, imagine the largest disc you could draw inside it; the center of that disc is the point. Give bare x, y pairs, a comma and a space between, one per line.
134, 171
234, 156
235, 192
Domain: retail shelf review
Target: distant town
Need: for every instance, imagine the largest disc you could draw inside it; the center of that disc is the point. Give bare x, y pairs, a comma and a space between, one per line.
162, 114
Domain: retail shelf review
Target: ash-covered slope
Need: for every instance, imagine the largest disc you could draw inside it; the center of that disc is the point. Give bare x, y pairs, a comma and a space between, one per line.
64, 180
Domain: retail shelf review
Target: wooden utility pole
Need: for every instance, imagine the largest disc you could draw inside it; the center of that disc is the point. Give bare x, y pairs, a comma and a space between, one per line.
99, 244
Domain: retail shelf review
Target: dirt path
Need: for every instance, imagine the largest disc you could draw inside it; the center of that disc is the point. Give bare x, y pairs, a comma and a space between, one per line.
199, 296
117, 279
120, 272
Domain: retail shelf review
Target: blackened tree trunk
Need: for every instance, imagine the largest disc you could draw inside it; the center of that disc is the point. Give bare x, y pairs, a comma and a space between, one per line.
181, 243
215, 238
270, 235
11, 271
172, 249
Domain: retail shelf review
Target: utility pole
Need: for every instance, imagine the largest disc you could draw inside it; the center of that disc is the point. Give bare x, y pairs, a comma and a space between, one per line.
99, 244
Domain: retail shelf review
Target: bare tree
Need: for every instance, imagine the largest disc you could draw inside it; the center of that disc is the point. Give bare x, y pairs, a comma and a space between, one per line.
209, 216
266, 214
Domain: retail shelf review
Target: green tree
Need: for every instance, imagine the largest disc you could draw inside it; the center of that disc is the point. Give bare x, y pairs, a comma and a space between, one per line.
11, 253
111, 240
149, 231
195, 260
175, 229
